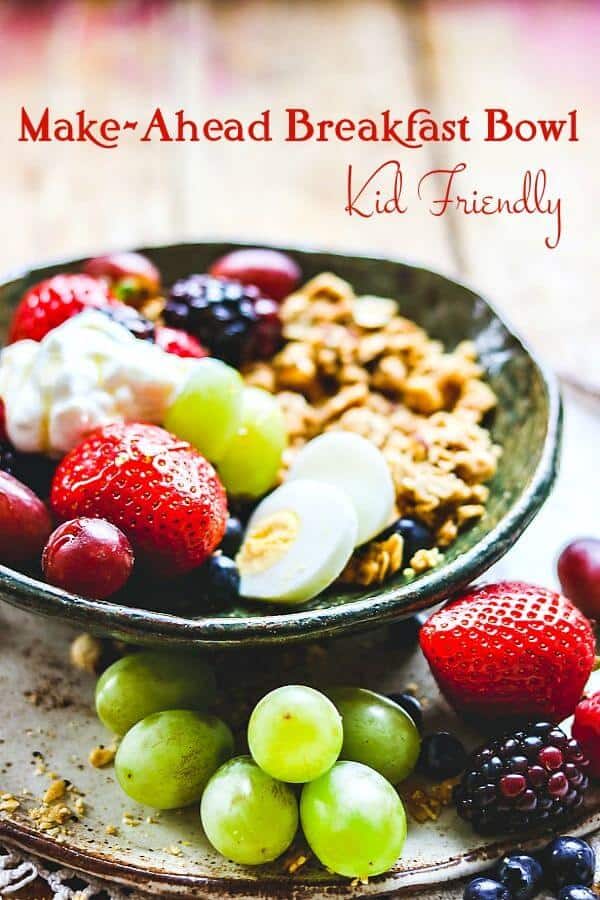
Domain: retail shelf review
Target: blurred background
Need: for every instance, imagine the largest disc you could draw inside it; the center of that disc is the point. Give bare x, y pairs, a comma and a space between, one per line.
339, 58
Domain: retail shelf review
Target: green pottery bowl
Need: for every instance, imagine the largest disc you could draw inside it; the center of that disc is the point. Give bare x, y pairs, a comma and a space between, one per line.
527, 424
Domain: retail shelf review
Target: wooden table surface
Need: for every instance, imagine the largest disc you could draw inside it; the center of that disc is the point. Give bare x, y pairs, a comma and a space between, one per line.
338, 58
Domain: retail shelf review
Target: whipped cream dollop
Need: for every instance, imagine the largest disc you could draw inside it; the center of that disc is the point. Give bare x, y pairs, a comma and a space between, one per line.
86, 373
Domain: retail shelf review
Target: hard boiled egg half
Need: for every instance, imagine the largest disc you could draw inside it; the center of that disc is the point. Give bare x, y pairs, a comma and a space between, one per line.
297, 542
355, 466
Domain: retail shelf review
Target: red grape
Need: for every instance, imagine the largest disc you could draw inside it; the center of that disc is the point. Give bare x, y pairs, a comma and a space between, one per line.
579, 574
25, 522
275, 273
90, 557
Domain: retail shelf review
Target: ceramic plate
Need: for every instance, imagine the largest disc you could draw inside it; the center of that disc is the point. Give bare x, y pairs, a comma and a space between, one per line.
49, 725
527, 424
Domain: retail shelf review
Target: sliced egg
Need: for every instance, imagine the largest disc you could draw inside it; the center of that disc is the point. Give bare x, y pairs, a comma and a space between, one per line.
297, 542
354, 465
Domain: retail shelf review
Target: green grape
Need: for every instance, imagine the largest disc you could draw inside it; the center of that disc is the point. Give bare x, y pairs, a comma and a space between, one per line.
166, 760
151, 681
295, 733
353, 820
252, 460
207, 411
248, 816
377, 732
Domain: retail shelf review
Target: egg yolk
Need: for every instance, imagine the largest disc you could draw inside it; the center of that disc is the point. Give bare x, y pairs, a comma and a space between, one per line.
268, 542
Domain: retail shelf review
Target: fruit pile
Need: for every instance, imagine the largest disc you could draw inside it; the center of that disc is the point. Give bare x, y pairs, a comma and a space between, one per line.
493, 654
345, 751
133, 415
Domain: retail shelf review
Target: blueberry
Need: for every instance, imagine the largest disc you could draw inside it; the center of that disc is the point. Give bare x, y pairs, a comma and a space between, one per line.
522, 875
442, 756
410, 705
221, 579
486, 889
232, 540
416, 536
569, 861
576, 892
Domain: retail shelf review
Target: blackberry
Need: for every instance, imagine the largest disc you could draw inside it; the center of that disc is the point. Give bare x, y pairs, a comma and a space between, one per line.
139, 326
221, 314
32, 469
531, 777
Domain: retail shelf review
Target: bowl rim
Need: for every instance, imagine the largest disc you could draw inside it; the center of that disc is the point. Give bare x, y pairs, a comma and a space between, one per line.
394, 603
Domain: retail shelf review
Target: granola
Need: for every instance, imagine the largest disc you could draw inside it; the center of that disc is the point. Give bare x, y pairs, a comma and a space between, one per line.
355, 363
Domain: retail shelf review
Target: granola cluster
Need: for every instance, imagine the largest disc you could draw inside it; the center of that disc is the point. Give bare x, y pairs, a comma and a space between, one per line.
353, 363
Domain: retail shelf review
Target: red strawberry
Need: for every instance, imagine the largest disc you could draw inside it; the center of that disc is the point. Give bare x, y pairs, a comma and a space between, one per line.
50, 303
156, 488
586, 729
510, 650
179, 342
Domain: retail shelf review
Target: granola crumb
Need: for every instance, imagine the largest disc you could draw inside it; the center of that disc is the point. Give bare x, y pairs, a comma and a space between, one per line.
425, 805
101, 756
295, 860
375, 562
50, 817
297, 864
9, 803
86, 653
111, 830
130, 819
423, 560
173, 850
55, 792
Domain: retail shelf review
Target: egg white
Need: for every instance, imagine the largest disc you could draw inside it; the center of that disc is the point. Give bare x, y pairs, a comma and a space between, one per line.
327, 528
354, 465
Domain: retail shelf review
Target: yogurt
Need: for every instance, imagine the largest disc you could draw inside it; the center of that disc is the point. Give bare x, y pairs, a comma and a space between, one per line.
86, 373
